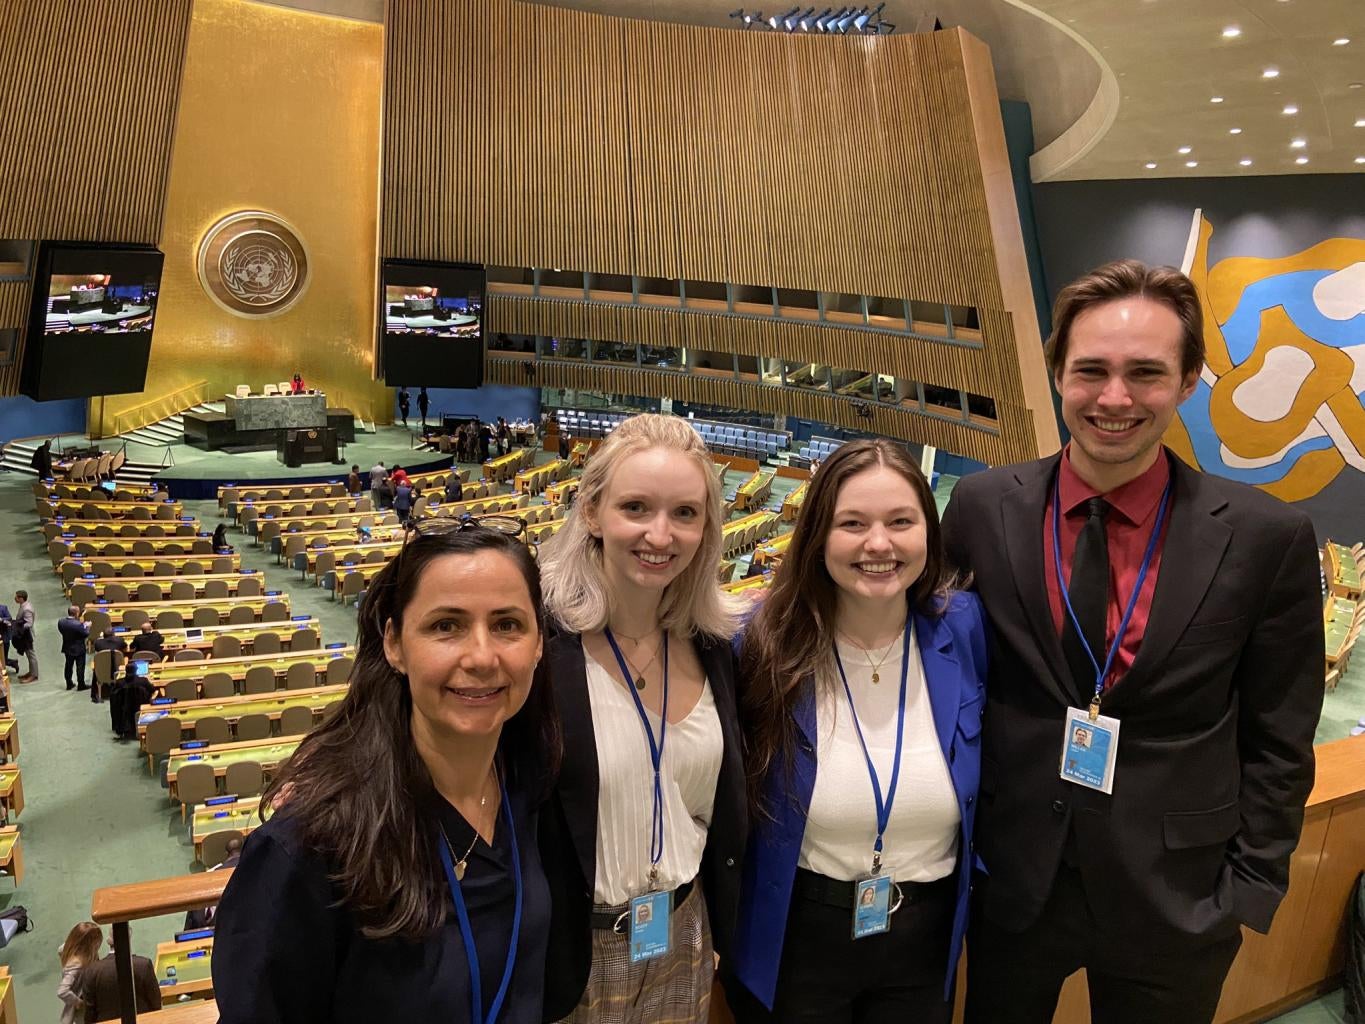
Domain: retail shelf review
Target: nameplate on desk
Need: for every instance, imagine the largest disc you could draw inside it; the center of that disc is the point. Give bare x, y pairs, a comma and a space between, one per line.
160, 701
215, 801
247, 572
272, 593
89, 576
333, 647
299, 618
190, 519
68, 535
194, 933
194, 745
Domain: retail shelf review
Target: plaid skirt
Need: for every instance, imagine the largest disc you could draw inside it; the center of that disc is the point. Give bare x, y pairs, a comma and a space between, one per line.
671, 989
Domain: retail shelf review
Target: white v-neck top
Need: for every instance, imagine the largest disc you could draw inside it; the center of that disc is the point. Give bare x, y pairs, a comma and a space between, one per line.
921, 840
693, 750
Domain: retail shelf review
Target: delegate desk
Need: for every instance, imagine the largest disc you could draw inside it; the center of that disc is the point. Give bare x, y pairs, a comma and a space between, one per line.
11, 854
145, 511
11, 791
505, 467
8, 1013
184, 970
558, 493
276, 412
249, 512
128, 547
754, 492
9, 736
474, 506
306, 561
173, 640
791, 504
268, 528
1338, 617
126, 531
101, 584
1341, 570
230, 494
159, 673
738, 535
268, 753
311, 537
770, 554
272, 705
138, 567
222, 605
225, 814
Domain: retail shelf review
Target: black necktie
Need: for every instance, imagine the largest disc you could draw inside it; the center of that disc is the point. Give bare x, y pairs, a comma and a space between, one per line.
1089, 593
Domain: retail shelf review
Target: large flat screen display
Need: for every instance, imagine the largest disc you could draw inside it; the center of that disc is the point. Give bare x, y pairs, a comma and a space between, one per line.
433, 324
91, 319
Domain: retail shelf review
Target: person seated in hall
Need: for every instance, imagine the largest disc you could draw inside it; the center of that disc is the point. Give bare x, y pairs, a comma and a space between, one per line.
148, 639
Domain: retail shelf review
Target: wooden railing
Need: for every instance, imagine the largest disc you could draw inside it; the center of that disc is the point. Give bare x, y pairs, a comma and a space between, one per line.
116, 905
159, 408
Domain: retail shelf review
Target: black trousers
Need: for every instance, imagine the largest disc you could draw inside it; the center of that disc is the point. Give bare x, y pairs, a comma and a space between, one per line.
76, 661
1016, 977
828, 977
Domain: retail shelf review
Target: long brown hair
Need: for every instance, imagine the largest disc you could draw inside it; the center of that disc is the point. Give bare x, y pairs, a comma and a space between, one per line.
82, 944
357, 790
792, 633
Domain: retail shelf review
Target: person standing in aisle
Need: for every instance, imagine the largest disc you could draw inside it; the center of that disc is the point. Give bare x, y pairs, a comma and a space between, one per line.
74, 633
643, 836
379, 477
23, 639
404, 404
423, 404
1125, 589
862, 791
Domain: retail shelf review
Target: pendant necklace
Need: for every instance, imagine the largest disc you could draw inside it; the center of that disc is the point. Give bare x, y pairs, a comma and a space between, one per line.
877, 667
462, 865
640, 674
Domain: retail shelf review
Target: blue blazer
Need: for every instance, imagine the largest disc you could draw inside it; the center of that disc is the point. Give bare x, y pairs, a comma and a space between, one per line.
953, 650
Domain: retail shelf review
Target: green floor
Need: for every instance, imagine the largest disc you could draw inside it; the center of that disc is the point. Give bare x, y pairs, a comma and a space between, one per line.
93, 815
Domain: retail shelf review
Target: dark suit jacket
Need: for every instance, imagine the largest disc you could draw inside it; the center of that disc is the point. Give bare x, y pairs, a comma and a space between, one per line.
1215, 753
98, 986
568, 825
74, 633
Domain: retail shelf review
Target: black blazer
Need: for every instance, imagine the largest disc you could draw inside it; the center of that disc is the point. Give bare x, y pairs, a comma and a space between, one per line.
568, 825
1215, 755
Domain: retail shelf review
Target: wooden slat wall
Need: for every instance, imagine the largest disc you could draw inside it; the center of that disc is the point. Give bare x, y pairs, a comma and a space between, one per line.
87, 118
524, 135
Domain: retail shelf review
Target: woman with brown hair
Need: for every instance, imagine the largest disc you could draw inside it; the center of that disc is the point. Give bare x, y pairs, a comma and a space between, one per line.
399, 879
862, 676
81, 948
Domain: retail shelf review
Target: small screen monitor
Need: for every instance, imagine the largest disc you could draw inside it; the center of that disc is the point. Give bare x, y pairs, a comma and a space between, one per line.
141, 668
432, 324
90, 320
194, 634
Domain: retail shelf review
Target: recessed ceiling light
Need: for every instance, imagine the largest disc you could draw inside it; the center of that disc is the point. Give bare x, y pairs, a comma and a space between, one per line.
1360, 122
1231, 32
1245, 163
1150, 166
1291, 109
1271, 73
1298, 144
1301, 159
1343, 41
1360, 159
1215, 99
1356, 85
1183, 150
1191, 163
1234, 131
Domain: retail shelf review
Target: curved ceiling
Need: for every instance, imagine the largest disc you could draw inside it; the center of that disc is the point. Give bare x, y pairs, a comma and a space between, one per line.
1117, 86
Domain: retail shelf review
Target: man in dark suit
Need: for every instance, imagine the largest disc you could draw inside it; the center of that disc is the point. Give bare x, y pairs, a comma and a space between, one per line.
1214, 659
74, 635
97, 985
148, 639
108, 640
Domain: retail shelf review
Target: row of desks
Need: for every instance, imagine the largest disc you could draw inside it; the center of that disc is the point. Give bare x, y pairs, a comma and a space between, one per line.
153, 565
268, 753
164, 584
129, 529
143, 510
190, 712
162, 672
278, 604
1342, 571
1338, 617
200, 638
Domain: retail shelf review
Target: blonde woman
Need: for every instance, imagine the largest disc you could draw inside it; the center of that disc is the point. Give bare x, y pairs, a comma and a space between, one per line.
82, 947
644, 835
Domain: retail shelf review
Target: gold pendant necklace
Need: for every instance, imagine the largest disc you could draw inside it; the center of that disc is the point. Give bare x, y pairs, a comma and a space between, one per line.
876, 668
462, 865
640, 673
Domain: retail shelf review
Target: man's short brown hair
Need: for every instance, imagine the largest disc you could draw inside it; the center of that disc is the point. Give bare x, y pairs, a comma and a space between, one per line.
1125, 279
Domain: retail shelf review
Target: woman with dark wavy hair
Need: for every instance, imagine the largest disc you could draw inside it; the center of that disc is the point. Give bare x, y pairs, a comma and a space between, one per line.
399, 879
862, 682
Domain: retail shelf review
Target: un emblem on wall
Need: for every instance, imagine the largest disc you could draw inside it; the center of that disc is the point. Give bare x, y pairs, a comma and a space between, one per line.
253, 264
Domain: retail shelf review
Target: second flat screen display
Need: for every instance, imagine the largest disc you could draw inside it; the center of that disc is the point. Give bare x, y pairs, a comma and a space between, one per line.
433, 324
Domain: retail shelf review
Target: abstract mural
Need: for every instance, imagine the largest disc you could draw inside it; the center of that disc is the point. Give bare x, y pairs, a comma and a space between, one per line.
1279, 401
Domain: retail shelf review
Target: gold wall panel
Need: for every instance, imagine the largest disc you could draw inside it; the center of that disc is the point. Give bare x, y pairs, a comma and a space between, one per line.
279, 112
836, 164
87, 114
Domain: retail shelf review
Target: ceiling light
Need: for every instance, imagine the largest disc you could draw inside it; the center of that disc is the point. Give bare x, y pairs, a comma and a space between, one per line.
1231, 32
1291, 109
1191, 163
1152, 167
1216, 99
1183, 150
1245, 163
1234, 131
1343, 41
1360, 159
1360, 122
1301, 159
1298, 144
1271, 73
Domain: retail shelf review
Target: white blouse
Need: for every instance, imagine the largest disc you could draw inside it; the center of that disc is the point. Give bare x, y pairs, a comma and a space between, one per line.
625, 799
921, 840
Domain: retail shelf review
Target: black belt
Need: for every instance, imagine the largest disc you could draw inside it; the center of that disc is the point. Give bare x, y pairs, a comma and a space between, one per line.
834, 893
615, 918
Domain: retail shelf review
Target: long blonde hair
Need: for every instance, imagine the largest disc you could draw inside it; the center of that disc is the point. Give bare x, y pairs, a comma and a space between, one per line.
572, 575
82, 944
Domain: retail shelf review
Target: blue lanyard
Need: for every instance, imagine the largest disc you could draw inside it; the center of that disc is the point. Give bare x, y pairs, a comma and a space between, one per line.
471, 951
883, 807
656, 751
1101, 674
